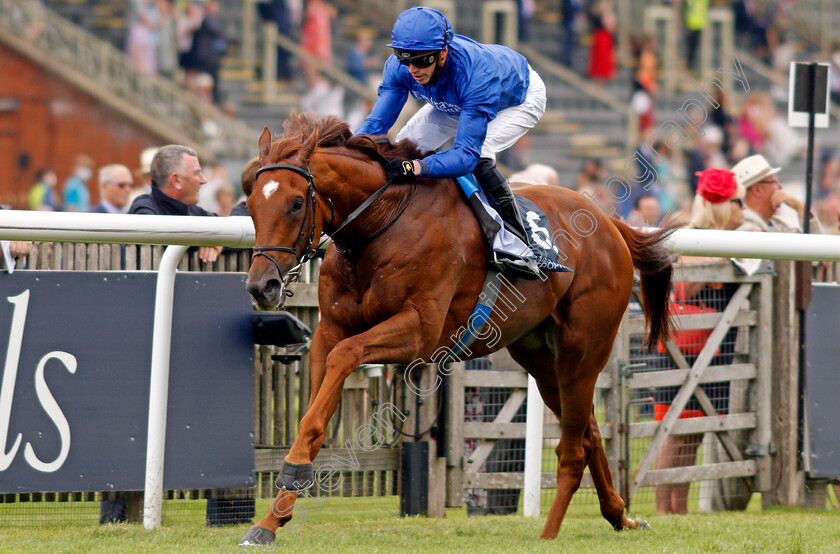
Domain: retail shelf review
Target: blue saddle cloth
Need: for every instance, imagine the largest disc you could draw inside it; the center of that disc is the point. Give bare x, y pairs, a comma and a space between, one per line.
542, 248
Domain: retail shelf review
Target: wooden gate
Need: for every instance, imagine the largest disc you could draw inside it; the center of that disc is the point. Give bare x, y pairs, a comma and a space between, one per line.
744, 433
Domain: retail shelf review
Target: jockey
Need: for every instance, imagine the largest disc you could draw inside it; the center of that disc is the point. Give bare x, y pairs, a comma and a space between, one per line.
484, 96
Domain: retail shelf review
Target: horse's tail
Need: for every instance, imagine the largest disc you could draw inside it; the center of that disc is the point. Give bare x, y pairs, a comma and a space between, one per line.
654, 264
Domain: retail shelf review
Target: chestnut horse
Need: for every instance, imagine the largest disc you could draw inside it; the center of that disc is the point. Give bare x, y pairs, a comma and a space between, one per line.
398, 296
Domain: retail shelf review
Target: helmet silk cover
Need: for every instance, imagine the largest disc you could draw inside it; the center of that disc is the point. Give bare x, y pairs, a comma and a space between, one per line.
421, 29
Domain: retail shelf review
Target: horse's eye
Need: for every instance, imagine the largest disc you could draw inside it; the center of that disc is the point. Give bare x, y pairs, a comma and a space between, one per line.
297, 204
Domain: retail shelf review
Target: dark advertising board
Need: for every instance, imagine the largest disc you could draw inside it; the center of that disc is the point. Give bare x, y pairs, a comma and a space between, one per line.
823, 382
74, 392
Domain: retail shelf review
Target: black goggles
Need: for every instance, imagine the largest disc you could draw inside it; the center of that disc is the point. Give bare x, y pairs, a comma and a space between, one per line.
419, 60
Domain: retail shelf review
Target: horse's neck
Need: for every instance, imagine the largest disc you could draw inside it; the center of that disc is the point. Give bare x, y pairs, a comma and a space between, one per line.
350, 181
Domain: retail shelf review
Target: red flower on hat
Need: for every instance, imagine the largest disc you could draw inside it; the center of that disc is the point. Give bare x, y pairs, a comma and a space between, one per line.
716, 185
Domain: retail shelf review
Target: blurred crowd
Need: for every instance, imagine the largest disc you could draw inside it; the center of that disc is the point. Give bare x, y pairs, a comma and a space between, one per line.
119, 185
185, 40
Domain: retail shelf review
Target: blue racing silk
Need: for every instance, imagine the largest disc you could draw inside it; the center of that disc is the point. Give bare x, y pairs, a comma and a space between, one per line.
477, 82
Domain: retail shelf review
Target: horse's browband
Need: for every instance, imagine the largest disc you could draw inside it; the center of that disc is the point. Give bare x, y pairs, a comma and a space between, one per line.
297, 169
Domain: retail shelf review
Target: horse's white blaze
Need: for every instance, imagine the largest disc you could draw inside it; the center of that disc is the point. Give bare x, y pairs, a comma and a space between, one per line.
269, 188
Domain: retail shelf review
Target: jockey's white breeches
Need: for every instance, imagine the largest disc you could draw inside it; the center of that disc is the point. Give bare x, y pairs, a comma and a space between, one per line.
432, 129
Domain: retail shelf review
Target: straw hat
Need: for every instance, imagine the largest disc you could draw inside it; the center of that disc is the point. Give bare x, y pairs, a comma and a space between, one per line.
146, 157
751, 170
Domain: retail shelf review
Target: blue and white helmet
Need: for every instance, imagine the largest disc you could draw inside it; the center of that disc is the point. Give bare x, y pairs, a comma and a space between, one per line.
421, 29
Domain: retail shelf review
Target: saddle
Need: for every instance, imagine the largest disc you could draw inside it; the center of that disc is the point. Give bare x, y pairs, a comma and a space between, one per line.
542, 247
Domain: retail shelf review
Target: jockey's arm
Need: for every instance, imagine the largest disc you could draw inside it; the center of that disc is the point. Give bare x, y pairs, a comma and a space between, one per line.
390, 99
466, 149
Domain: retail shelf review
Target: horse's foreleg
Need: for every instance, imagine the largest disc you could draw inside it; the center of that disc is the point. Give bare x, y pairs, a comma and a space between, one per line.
396, 339
283, 506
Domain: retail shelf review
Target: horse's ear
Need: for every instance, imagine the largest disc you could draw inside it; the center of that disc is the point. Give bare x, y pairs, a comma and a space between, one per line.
308, 147
265, 146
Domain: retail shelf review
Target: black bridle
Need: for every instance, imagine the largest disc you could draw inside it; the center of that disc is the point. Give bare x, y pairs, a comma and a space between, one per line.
310, 215
311, 212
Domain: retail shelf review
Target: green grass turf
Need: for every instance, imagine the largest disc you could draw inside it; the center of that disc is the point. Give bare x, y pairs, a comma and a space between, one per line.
362, 525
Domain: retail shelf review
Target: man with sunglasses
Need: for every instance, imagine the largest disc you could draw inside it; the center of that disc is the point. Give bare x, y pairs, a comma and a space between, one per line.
481, 97
115, 184
766, 202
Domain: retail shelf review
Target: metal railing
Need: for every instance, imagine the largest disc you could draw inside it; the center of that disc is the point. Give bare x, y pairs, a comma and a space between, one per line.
107, 74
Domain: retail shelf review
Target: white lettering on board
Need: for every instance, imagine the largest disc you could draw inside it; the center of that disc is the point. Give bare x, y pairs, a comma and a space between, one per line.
45, 397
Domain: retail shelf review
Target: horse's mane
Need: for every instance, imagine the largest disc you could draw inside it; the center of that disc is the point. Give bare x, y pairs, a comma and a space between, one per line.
332, 131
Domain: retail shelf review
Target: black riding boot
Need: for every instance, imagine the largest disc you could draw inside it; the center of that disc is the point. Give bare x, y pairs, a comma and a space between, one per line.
498, 192
497, 189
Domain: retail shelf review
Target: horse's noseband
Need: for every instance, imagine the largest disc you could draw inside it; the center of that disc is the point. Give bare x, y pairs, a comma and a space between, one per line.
311, 212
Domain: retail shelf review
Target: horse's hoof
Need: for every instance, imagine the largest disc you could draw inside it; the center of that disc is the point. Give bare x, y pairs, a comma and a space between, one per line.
643, 526
256, 536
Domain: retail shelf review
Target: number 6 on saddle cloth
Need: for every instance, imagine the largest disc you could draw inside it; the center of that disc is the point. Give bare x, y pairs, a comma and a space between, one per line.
542, 248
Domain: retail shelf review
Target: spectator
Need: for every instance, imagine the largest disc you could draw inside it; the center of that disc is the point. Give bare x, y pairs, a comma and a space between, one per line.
712, 209
359, 63
143, 174
592, 172
834, 80
143, 24
696, 15
767, 132
601, 54
42, 195
537, 174
278, 12
646, 211
208, 46
114, 186
203, 85
249, 178
570, 10
176, 179
316, 40
225, 199
829, 170
644, 83
207, 195
705, 152
316, 37
526, 10
186, 24
11, 250
768, 206
736, 217
167, 47
722, 118
76, 196
750, 26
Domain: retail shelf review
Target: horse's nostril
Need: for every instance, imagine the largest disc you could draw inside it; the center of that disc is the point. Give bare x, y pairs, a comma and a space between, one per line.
271, 286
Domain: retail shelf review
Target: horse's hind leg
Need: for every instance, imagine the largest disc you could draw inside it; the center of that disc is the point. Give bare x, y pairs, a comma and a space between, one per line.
575, 402
612, 505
